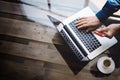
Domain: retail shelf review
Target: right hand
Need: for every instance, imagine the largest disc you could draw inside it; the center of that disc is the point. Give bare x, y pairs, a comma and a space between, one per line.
108, 31
90, 23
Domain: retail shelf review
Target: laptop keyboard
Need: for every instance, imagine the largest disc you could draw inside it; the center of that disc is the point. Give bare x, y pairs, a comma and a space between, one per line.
88, 39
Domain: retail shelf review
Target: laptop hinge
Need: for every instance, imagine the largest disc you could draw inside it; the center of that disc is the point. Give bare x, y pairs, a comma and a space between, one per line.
85, 59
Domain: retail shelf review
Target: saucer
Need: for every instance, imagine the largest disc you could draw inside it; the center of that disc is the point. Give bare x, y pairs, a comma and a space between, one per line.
105, 70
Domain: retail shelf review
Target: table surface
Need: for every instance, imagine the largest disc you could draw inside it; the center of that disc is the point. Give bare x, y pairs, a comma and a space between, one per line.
32, 49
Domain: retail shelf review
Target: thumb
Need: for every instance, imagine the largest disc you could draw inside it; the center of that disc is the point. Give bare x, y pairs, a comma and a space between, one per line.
103, 32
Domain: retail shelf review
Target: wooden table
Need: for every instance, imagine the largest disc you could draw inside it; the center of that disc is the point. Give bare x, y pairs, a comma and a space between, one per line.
30, 50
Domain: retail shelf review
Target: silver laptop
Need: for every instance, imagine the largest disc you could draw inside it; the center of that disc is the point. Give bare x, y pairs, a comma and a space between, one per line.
86, 46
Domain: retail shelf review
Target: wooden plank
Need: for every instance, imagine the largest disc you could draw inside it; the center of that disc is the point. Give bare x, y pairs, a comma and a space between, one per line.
65, 8
31, 12
29, 30
27, 70
51, 75
14, 16
41, 51
35, 50
63, 69
31, 69
14, 39
87, 76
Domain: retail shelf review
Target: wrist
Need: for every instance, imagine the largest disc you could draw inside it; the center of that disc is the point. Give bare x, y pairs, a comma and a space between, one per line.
117, 26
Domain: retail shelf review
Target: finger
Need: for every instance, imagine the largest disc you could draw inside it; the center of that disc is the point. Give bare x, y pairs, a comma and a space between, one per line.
81, 23
100, 34
104, 34
81, 20
83, 26
104, 29
107, 35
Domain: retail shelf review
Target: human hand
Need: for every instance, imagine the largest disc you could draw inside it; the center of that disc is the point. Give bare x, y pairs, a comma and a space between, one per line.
90, 23
108, 31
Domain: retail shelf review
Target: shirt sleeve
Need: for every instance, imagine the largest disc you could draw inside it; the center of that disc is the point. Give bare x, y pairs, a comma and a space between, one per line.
109, 8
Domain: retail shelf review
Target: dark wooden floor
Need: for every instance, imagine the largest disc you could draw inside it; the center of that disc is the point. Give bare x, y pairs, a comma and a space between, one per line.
30, 50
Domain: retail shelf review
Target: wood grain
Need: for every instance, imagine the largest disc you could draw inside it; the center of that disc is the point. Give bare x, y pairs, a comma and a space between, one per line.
32, 49
28, 30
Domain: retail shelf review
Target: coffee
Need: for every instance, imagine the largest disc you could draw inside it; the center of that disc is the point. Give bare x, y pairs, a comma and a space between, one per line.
107, 63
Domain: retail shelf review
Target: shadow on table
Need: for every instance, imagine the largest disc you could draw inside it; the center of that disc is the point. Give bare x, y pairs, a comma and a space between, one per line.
114, 53
74, 64
115, 50
95, 72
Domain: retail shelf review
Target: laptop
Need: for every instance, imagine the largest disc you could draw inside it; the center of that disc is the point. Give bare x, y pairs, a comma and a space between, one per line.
85, 46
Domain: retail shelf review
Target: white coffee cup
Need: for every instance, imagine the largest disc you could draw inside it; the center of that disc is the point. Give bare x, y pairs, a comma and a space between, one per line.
106, 65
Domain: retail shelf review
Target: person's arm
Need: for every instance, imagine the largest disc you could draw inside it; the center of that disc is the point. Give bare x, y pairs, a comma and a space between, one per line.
109, 8
93, 22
